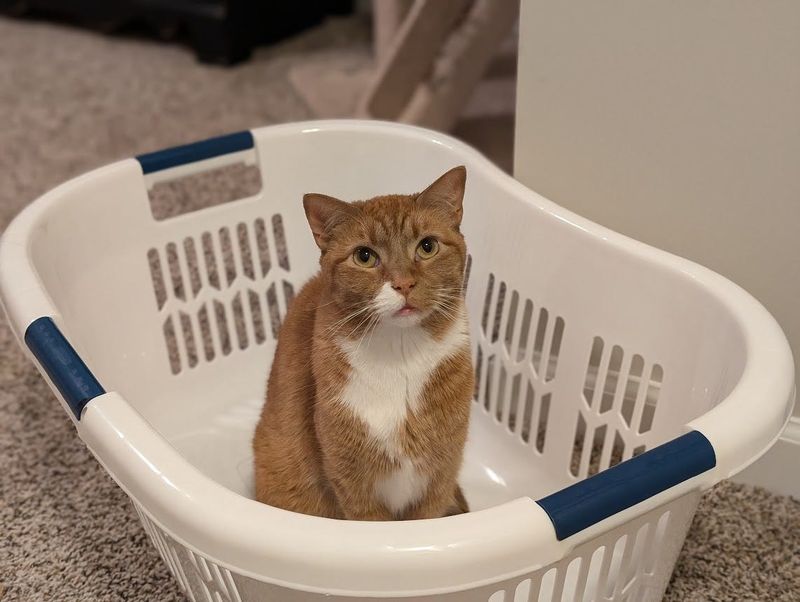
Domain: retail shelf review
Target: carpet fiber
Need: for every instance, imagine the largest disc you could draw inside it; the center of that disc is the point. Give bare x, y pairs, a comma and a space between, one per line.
72, 100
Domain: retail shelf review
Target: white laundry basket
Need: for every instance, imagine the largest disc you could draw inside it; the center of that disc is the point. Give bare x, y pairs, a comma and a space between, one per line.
592, 350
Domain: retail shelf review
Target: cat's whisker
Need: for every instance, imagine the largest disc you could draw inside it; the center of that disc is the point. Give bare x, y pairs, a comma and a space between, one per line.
363, 320
326, 304
449, 307
374, 327
449, 300
336, 326
372, 318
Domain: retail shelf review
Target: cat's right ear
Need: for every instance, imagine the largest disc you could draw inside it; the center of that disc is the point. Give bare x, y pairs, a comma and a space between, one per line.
323, 212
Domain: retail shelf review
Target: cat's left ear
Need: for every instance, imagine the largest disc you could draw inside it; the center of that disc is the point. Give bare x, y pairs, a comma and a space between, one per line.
447, 193
323, 213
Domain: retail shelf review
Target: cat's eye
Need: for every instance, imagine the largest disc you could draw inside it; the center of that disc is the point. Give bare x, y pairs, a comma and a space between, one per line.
365, 257
427, 247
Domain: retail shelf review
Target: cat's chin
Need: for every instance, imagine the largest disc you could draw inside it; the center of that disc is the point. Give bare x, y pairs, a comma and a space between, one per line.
404, 319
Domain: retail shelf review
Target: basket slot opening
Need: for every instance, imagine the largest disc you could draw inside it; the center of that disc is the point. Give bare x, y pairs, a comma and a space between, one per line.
239, 321
487, 304
487, 394
157, 275
467, 269
577, 448
258, 317
618, 558
195, 192
547, 585
525, 330
609, 390
175, 272
511, 319
227, 255
187, 330
595, 569
501, 394
522, 592
527, 413
288, 293
631, 575
632, 388
274, 310
566, 587
653, 390
478, 374
206, 333
498, 313
210, 257
246, 253
280, 241
172, 345
511, 419
263, 246
544, 412
222, 327
652, 550
598, 444
192, 264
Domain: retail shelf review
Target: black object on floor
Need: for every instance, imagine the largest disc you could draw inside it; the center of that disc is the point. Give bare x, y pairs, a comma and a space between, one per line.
220, 31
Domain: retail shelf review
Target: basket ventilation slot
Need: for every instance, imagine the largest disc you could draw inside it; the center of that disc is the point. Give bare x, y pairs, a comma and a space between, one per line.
200, 579
616, 572
516, 362
620, 397
221, 291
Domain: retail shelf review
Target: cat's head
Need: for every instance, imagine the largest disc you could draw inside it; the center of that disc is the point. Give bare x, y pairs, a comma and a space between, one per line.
394, 260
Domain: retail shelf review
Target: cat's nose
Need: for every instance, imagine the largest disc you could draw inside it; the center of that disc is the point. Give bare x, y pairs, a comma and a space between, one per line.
403, 285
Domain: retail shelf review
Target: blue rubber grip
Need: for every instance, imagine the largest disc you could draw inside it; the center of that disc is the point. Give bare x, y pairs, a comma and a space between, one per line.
63, 365
196, 151
592, 500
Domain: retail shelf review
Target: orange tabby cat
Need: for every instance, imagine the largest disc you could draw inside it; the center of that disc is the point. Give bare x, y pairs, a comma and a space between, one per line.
369, 395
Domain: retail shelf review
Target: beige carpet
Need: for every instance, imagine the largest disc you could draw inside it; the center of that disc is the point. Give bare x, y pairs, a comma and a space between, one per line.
71, 100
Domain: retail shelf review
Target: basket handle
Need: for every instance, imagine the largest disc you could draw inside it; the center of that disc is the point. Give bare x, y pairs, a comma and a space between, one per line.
592, 500
202, 150
67, 371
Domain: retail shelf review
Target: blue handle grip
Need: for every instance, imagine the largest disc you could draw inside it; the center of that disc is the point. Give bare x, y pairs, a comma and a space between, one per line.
586, 503
196, 151
63, 365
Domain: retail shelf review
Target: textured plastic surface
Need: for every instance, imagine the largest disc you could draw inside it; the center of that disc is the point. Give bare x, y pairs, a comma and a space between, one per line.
589, 349
586, 503
196, 151
63, 365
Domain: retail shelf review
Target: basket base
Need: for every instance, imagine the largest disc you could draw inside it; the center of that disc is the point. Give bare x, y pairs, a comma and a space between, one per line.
494, 470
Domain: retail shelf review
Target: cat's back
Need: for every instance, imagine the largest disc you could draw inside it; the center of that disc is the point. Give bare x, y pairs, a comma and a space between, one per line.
297, 329
290, 385
285, 453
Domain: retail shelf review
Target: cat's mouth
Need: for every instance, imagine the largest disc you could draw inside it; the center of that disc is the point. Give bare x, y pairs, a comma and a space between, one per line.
406, 310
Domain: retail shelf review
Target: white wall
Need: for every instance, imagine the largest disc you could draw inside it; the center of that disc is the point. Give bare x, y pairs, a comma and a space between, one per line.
676, 122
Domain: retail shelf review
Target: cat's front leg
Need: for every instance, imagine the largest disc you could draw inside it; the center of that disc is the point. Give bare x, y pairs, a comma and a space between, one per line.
459, 504
442, 498
374, 511
358, 501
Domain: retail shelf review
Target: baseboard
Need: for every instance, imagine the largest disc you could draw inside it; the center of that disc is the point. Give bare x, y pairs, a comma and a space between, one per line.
777, 469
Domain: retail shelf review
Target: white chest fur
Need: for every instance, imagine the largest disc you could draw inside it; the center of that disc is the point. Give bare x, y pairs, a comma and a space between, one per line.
389, 371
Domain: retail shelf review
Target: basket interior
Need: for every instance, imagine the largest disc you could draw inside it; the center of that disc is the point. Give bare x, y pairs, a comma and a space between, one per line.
585, 354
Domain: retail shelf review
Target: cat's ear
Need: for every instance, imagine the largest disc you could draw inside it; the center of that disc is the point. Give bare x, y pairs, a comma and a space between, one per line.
323, 212
448, 193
